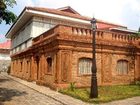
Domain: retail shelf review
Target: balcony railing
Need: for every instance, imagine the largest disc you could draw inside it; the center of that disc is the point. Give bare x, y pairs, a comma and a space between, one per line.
83, 32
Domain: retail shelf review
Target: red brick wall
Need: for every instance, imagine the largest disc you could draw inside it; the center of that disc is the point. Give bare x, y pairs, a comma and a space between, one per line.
66, 47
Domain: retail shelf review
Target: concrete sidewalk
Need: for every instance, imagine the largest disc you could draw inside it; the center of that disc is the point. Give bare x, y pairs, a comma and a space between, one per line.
67, 100
64, 99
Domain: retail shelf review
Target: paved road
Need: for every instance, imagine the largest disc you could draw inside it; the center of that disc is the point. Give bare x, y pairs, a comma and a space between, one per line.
14, 93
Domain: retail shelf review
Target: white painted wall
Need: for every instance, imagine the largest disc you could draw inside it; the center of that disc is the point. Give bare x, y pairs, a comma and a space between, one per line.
40, 27
4, 61
5, 57
35, 27
29, 43
23, 35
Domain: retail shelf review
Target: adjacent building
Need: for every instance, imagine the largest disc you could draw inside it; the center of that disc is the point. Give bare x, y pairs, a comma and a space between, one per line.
53, 47
5, 55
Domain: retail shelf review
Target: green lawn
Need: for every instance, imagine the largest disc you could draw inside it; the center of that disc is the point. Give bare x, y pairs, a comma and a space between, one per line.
106, 93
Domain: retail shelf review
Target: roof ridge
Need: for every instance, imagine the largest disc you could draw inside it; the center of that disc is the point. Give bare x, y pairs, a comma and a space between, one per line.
68, 13
68, 7
56, 11
111, 23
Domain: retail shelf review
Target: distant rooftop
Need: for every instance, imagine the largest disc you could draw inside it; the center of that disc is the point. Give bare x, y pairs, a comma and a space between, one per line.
124, 30
5, 45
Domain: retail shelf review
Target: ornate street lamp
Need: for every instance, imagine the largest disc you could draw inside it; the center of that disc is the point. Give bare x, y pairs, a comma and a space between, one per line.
94, 88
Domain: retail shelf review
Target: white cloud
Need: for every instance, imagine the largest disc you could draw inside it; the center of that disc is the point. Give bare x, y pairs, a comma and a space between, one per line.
130, 14
125, 12
135, 5
25, 3
51, 3
109, 10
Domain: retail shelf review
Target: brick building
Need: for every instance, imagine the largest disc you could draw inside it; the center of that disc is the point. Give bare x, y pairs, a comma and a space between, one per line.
54, 47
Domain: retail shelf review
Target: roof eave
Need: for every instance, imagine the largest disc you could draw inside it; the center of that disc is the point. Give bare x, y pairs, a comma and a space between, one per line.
7, 35
35, 12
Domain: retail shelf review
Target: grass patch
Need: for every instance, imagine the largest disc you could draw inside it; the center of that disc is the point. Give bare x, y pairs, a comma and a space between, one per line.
106, 93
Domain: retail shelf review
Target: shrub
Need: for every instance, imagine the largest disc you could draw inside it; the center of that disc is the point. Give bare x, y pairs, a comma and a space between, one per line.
72, 86
137, 83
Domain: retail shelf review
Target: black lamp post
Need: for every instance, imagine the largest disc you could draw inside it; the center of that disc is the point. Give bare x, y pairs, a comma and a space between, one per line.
94, 88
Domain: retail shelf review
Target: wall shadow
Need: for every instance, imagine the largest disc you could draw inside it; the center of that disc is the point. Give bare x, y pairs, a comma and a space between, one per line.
4, 80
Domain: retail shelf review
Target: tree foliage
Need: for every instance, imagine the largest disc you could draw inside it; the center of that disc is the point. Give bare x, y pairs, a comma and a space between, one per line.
5, 14
139, 31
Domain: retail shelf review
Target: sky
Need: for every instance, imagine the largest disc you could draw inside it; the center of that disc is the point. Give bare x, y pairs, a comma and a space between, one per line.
123, 12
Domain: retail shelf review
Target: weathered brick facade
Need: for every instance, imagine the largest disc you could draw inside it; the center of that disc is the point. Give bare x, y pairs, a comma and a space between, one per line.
65, 45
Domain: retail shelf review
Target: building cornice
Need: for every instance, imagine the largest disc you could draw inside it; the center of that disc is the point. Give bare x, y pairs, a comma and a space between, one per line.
14, 25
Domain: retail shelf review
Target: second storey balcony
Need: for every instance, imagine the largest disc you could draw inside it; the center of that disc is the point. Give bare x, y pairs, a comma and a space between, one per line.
77, 37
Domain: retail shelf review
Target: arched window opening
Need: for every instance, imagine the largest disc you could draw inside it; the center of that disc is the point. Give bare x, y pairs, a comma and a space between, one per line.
37, 66
49, 64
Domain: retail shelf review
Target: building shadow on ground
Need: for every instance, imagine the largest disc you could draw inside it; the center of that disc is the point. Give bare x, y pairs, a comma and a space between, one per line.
8, 94
4, 80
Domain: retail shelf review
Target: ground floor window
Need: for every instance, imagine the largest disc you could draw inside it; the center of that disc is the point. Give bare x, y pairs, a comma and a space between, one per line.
85, 65
122, 67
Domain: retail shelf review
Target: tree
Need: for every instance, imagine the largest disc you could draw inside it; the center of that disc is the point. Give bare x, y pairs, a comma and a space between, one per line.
139, 31
5, 14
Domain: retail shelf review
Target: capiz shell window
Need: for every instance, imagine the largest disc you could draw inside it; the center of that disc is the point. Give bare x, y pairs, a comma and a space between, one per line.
85, 65
122, 67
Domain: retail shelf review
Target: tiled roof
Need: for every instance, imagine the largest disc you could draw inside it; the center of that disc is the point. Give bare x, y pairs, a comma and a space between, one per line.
68, 9
64, 13
5, 45
58, 12
106, 26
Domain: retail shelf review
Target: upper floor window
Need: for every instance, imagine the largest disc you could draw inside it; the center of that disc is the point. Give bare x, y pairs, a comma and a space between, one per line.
85, 65
122, 67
